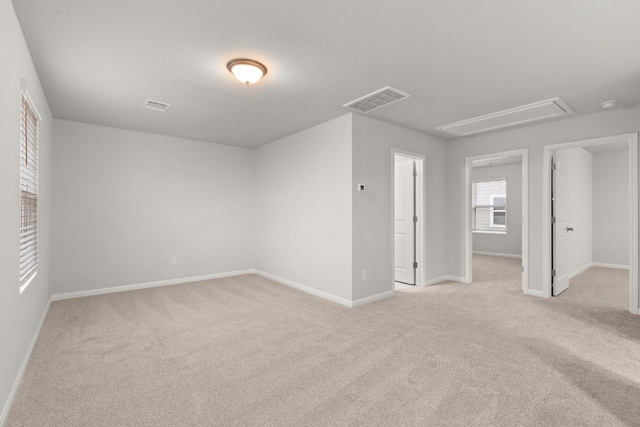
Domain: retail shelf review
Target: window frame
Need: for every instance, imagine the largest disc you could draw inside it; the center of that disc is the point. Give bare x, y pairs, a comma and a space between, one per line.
493, 210
29, 120
492, 228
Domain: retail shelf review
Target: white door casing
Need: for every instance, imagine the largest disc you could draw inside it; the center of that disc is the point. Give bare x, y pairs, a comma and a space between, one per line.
404, 226
560, 225
634, 248
468, 240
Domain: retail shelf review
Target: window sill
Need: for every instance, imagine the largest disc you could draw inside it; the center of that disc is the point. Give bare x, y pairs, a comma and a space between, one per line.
490, 231
27, 281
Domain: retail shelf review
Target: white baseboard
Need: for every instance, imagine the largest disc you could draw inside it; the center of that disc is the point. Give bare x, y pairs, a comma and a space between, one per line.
443, 279
597, 264
304, 288
606, 265
16, 384
102, 291
497, 254
534, 293
580, 270
372, 298
436, 281
307, 289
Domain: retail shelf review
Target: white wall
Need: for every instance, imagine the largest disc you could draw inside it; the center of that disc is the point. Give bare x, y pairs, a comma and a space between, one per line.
511, 242
303, 208
611, 207
20, 314
579, 208
373, 141
613, 122
126, 202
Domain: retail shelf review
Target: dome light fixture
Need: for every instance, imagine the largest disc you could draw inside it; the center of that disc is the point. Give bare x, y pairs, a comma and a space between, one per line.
610, 104
247, 71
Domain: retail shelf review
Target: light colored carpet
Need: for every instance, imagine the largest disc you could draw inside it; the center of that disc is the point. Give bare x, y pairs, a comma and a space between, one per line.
247, 351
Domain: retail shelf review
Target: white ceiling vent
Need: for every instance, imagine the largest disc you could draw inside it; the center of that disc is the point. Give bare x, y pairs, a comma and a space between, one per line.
156, 105
514, 116
380, 98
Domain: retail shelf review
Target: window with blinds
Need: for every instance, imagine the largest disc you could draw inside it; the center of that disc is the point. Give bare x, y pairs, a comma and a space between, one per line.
28, 190
490, 205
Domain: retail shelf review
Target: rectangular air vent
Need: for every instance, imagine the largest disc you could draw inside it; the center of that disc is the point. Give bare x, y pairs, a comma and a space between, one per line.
156, 105
373, 101
514, 116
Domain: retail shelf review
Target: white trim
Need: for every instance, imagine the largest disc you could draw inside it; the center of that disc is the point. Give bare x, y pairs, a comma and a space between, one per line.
497, 254
525, 221
420, 213
435, 281
307, 289
28, 280
125, 288
468, 235
489, 232
24, 92
25, 361
535, 293
548, 150
372, 298
492, 211
443, 279
634, 292
607, 265
580, 270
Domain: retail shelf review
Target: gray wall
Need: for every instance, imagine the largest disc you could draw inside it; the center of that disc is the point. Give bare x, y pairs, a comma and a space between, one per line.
611, 207
303, 208
20, 314
605, 123
511, 242
373, 141
126, 202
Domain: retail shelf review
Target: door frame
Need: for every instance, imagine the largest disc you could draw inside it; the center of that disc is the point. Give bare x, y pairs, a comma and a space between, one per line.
548, 150
420, 210
468, 235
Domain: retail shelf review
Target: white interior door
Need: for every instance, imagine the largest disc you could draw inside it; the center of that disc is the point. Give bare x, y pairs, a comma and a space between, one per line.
404, 212
560, 227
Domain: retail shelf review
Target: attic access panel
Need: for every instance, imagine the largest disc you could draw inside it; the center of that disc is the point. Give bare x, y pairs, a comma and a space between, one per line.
511, 117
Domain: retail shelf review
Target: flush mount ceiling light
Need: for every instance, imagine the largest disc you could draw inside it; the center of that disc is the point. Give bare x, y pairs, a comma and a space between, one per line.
247, 71
610, 104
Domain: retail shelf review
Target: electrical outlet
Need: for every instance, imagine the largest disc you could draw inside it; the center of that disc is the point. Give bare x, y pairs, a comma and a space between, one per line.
364, 274
295, 263
174, 260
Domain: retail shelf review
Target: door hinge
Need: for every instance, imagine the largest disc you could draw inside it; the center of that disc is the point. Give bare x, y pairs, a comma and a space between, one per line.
555, 166
523, 268
553, 220
553, 273
415, 219
415, 264
415, 173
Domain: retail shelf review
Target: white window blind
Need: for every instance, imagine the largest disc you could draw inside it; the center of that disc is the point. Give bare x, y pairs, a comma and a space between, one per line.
28, 189
490, 205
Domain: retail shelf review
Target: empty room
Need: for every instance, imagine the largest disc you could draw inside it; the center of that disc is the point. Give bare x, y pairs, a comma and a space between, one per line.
294, 213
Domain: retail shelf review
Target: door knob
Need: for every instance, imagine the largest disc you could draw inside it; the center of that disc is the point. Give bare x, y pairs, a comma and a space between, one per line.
569, 228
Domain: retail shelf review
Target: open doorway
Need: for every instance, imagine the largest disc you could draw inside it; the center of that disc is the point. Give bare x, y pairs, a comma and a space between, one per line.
591, 214
407, 215
496, 226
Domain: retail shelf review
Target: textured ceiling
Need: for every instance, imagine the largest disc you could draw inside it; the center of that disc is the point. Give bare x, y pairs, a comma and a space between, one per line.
99, 60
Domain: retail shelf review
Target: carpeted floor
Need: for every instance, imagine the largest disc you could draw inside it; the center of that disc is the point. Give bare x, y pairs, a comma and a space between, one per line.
246, 351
